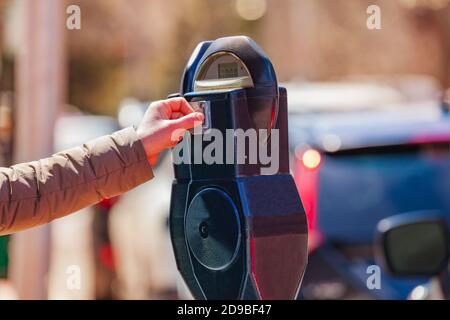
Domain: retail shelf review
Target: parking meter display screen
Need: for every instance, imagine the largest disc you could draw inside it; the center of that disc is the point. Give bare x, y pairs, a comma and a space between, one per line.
223, 71
228, 70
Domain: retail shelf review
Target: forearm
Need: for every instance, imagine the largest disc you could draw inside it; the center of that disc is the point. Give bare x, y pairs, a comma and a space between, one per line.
35, 193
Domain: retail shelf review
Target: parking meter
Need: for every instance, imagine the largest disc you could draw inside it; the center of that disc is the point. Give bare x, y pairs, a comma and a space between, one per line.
238, 231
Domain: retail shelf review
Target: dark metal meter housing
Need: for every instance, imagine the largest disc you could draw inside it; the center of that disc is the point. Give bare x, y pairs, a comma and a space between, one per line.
237, 234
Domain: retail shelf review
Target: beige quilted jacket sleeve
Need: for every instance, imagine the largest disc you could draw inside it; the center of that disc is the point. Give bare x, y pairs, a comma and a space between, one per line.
32, 194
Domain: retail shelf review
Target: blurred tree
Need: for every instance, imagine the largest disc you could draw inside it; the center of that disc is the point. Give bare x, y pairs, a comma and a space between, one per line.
139, 48
323, 40
434, 15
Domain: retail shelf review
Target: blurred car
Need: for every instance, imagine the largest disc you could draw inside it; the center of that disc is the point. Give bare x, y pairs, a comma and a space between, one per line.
362, 152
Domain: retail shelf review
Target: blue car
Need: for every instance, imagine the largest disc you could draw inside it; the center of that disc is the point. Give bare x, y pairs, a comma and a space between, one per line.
355, 166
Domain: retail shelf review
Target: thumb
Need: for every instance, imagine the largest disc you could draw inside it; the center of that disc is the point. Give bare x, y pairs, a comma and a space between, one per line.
189, 121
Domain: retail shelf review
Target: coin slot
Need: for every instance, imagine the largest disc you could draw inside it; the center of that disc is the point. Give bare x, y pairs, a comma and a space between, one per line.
204, 108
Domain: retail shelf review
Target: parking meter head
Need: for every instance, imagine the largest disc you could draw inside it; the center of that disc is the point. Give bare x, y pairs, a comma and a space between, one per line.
239, 63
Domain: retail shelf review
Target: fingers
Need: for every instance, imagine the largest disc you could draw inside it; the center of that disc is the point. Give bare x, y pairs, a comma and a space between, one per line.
176, 115
180, 105
189, 121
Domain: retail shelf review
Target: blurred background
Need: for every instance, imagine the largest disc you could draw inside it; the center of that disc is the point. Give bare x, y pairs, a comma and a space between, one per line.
369, 130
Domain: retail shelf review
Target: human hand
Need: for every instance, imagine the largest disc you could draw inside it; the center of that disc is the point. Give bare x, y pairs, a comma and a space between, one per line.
164, 124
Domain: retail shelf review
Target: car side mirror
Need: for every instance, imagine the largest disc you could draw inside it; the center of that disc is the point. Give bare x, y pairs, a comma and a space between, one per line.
413, 245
